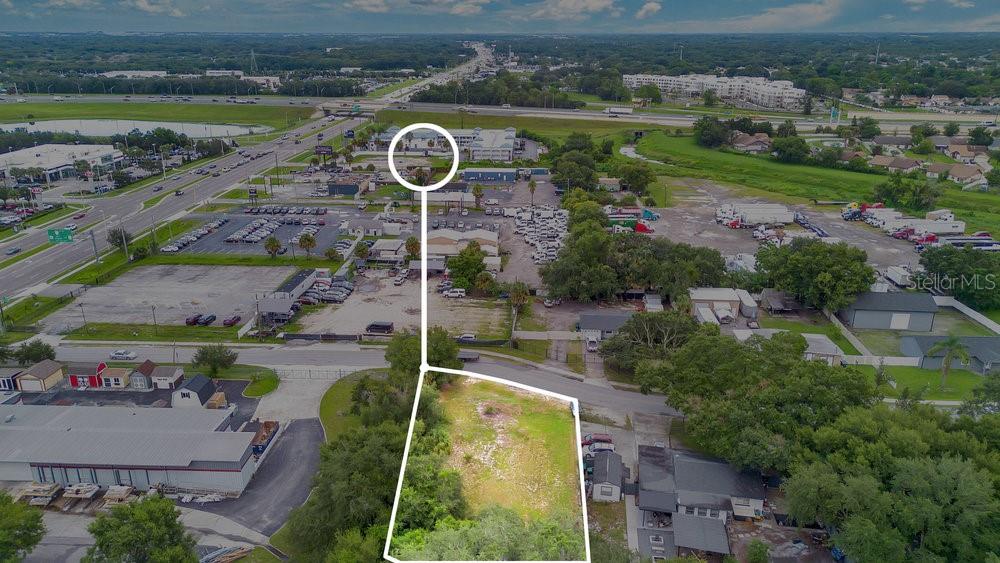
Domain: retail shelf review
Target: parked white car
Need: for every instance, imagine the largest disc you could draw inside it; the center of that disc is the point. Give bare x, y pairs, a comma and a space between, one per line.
123, 355
456, 293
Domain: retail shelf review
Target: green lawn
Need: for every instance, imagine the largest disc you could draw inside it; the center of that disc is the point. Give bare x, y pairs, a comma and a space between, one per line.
158, 198
797, 182
335, 407
390, 88
958, 387
946, 321
271, 116
259, 555
557, 129
993, 315
24, 254
932, 157
575, 361
607, 520
32, 309
500, 435
814, 324
149, 332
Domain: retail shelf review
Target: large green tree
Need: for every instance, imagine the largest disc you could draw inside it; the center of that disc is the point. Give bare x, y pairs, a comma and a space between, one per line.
467, 265
148, 530
21, 528
819, 274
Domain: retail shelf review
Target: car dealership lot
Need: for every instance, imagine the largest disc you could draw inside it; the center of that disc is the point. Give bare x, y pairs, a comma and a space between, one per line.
176, 291
281, 227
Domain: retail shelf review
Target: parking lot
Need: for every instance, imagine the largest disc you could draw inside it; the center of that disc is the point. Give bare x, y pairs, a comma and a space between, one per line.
176, 291
692, 220
283, 227
375, 298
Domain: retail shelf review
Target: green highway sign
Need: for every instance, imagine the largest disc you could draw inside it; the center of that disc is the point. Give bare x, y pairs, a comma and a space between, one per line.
59, 236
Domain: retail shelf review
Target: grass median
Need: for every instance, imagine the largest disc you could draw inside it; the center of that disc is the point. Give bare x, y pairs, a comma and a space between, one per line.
270, 116
25, 254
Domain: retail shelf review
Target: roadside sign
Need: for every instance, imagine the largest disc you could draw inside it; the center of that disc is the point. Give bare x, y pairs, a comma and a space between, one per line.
60, 236
36, 190
324, 150
252, 192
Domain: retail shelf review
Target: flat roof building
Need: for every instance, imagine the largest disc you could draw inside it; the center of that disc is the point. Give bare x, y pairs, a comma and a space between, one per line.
186, 449
57, 161
754, 90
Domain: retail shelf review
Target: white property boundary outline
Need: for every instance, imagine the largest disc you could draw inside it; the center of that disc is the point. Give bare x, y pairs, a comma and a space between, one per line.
425, 367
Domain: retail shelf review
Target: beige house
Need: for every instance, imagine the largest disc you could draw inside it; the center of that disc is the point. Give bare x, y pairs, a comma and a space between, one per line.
40, 377
965, 173
881, 161
754, 144
961, 153
938, 170
903, 165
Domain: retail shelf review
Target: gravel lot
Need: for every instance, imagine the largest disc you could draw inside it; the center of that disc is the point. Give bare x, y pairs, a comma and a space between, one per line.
375, 298
692, 220
176, 291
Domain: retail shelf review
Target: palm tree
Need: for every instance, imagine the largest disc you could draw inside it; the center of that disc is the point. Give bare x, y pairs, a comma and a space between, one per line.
532, 185
307, 242
333, 255
477, 192
272, 245
953, 347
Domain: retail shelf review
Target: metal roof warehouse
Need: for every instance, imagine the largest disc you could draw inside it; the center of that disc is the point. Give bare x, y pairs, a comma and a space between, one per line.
143, 447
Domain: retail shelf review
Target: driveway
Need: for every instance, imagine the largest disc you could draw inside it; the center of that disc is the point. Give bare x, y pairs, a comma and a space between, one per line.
281, 483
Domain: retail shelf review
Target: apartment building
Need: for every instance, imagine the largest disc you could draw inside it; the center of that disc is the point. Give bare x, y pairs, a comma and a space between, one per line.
778, 94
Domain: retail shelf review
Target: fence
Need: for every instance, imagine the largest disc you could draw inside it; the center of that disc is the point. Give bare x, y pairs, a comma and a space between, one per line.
315, 373
323, 337
884, 360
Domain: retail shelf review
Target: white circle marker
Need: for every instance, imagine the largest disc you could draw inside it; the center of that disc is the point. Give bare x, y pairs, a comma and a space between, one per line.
441, 131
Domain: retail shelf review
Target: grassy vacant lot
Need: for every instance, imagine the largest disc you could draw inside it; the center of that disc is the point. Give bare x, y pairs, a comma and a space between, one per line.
607, 520
813, 324
512, 448
271, 116
797, 182
335, 407
557, 129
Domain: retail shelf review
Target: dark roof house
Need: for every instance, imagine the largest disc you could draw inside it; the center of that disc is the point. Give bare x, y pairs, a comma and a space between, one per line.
146, 368
607, 322
700, 534
984, 352
198, 386
608, 468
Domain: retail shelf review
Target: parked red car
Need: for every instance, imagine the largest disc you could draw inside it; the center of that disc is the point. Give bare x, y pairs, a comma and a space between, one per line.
589, 439
231, 321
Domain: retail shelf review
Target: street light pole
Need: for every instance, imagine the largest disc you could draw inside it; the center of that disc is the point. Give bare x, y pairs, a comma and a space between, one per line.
154, 319
80, 305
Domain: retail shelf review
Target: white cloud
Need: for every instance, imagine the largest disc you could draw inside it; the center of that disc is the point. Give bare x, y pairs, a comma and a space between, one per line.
962, 3
371, 6
69, 4
568, 9
468, 7
648, 9
7, 4
916, 5
793, 16
156, 7
887, 17
455, 7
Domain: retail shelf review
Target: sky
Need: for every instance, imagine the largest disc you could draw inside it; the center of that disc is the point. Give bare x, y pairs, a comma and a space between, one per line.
502, 16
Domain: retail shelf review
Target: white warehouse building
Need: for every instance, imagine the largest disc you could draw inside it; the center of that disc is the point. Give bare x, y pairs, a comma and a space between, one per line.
186, 449
781, 94
58, 161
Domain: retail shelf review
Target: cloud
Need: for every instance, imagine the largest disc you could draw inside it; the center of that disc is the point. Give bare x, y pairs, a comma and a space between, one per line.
370, 6
793, 16
916, 5
156, 7
454, 7
648, 9
6, 4
69, 4
568, 9
962, 3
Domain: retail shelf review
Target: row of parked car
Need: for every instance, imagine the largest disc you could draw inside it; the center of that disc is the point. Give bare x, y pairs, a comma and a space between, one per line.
306, 230
325, 290
447, 289
206, 319
254, 231
194, 236
284, 210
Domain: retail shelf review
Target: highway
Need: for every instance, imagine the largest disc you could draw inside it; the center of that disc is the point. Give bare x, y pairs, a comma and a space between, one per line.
31, 273
352, 357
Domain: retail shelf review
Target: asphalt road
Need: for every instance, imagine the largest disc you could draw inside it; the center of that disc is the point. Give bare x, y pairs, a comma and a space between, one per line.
31, 273
349, 356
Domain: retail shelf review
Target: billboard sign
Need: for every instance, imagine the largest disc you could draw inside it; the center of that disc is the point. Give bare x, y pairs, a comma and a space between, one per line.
324, 150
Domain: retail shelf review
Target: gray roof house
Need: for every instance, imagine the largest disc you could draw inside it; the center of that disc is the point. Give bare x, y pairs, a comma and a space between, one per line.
607, 477
903, 310
603, 324
195, 392
693, 534
984, 352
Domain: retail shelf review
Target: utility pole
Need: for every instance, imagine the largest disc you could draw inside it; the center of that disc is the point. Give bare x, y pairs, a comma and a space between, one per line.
97, 258
121, 228
154, 319
80, 305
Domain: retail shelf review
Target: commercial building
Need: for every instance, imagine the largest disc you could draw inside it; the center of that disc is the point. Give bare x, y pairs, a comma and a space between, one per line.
486, 144
759, 91
58, 161
142, 447
135, 74
449, 242
895, 311
194, 392
295, 286
493, 175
